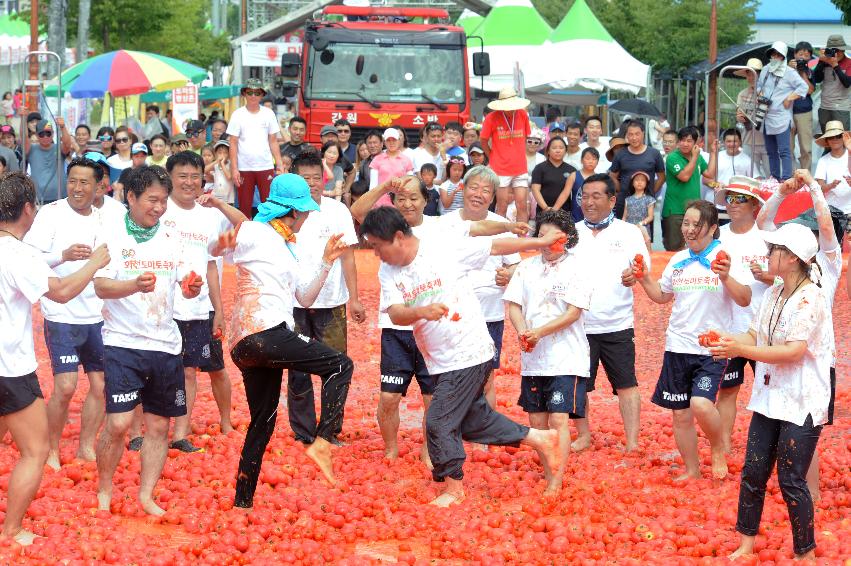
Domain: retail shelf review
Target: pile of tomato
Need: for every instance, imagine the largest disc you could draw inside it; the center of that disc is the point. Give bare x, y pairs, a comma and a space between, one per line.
614, 508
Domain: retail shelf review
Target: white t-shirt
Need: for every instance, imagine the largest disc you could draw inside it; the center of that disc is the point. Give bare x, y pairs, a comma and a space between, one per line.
332, 218
116, 162
440, 273
603, 164
798, 389
196, 228
729, 165
575, 159
421, 156
544, 290
484, 278
24, 279
144, 321
56, 228
267, 274
701, 302
112, 210
611, 303
532, 161
222, 186
831, 169
253, 131
746, 248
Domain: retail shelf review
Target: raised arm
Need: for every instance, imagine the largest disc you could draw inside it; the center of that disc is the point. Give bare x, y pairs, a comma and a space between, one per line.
367, 200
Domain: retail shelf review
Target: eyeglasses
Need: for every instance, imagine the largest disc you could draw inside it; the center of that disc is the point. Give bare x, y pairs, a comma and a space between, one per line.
344, 131
46, 135
181, 142
533, 142
105, 137
193, 133
253, 92
122, 140
737, 198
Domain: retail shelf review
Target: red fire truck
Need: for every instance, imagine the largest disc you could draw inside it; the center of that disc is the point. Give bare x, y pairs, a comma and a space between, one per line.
376, 68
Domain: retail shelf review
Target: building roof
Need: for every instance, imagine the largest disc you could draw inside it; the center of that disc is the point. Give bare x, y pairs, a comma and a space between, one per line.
787, 11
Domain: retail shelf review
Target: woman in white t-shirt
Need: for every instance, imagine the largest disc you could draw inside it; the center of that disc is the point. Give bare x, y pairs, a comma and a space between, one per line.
791, 393
546, 298
262, 334
701, 281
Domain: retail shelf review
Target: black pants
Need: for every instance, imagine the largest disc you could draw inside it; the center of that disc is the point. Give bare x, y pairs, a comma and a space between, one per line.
792, 447
262, 358
329, 327
459, 410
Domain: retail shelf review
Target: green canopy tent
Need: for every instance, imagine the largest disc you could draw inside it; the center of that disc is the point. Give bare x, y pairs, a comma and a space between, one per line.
204, 93
470, 21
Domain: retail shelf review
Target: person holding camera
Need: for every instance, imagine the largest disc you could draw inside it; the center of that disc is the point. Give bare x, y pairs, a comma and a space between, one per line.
802, 109
777, 88
834, 73
752, 139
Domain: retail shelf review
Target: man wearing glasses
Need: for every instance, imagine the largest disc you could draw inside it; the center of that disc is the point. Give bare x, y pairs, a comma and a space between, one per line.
41, 158
344, 134
179, 143
196, 133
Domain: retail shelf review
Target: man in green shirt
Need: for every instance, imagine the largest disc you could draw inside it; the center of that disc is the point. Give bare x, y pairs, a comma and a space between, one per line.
683, 170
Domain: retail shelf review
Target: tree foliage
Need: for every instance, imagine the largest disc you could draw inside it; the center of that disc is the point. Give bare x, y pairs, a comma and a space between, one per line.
845, 6
670, 35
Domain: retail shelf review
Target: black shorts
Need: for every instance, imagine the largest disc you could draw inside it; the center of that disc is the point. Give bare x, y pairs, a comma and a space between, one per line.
830, 405
401, 360
71, 345
196, 335
734, 373
616, 350
216, 362
495, 329
553, 394
18, 393
685, 376
152, 378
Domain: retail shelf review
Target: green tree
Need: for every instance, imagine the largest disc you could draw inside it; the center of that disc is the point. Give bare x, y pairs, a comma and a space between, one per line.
845, 6
186, 35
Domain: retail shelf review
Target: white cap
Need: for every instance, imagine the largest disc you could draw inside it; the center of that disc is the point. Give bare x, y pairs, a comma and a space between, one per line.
780, 47
798, 239
139, 147
392, 133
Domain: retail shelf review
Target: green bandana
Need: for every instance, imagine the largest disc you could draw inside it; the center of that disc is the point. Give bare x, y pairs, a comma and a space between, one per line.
139, 233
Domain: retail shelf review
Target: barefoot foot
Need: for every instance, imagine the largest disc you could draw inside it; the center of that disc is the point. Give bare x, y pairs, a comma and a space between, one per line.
447, 498
320, 453
740, 552
226, 427
719, 463
104, 500
25, 538
87, 455
425, 458
686, 477
53, 460
151, 508
581, 443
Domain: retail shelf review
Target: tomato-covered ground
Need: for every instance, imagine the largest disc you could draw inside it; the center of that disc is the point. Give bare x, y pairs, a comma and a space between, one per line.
613, 509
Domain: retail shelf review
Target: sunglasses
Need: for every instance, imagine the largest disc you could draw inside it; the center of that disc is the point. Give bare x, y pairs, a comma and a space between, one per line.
343, 131
533, 142
105, 137
737, 198
46, 135
193, 133
253, 92
122, 140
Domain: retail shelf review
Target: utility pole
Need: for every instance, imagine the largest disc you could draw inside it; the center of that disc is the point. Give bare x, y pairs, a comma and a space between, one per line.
83, 30
712, 99
32, 91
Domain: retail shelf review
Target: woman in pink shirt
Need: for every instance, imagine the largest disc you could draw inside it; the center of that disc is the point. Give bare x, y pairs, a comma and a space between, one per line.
391, 163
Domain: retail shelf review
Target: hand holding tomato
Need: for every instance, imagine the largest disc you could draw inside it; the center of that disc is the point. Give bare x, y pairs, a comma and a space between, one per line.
721, 265
191, 285
532, 336
147, 282
434, 311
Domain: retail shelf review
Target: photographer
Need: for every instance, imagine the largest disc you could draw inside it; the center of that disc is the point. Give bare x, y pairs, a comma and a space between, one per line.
834, 72
777, 88
802, 109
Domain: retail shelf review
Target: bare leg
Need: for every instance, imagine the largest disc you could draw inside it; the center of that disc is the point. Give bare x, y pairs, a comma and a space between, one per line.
686, 438
154, 452
220, 384
182, 425
426, 459
320, 453
136, 423
64, 385
109, 451
546, 442
29, 431
726, 405
560, 423
388, 422
629, 402
453, 494
490, 391
746, 544
813, 478
91, 417
710, 423
503, 198
583, 431
521, 201
540, 422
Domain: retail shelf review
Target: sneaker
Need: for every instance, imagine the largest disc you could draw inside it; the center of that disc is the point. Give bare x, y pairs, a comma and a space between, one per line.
135, 444
184, 445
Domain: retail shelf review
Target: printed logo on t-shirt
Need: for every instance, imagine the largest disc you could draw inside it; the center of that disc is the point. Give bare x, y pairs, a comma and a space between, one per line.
709, 281
421, 291
128, 253
170, 223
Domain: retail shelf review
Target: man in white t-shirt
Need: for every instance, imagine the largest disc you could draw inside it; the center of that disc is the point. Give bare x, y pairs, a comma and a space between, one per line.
142, 346
425, 283
594, 138
733, 161
254, 153
65, 232
325, 320
833, 171
431, 151
24, 279
610, 244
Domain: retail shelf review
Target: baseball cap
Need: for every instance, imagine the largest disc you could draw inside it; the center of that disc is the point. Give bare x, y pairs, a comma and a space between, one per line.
221, 143
798, 239
43, 126
475, 147
33, 116
7, 129
558, 126
194, 126
327, 130
391, 133
139, 147
179, 138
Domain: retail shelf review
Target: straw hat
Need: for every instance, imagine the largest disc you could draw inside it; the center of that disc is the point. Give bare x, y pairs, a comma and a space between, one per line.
507, 100
741, 185
753, 63
832, 128
613, 143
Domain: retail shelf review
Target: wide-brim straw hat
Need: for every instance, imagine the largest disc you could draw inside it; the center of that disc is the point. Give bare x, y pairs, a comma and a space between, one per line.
831, 129
508, 100
739, 184
614, 143
753, 63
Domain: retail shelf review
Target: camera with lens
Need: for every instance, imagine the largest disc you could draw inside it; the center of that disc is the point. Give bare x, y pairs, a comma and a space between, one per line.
762, 104
801, 65
830, 52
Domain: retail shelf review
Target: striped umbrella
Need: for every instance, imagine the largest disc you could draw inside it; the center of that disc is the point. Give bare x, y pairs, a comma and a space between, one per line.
122, 73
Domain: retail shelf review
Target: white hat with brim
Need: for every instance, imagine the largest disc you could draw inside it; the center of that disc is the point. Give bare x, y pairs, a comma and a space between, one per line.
508, 100
741, 185
798, 239
831, 129
391, 134
753, 63
780, 47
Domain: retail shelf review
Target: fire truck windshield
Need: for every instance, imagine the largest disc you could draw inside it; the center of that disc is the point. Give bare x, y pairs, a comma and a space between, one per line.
431, 74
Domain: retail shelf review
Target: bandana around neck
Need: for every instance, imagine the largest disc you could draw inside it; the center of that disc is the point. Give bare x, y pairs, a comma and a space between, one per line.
603, 223
139, 233
701, 258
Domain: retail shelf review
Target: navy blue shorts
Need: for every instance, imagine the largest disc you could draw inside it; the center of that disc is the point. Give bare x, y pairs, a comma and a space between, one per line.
18, 393
401, 360
734, 373
152, 378
832, 404
553, 394
196, 335
495, 329
684, 376
71, 345
216, 362
616, 351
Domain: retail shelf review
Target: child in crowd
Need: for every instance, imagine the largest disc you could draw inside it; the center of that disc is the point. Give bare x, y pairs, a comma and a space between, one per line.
470, 135
590, 158
428, 173
222, 180
476, 154
453, 134
639, 204
452, 190
209, 157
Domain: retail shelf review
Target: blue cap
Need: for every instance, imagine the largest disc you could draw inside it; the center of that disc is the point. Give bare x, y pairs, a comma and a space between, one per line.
287, 192
558, 126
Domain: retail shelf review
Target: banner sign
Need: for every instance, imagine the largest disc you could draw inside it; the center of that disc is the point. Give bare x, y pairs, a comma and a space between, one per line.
266, 54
